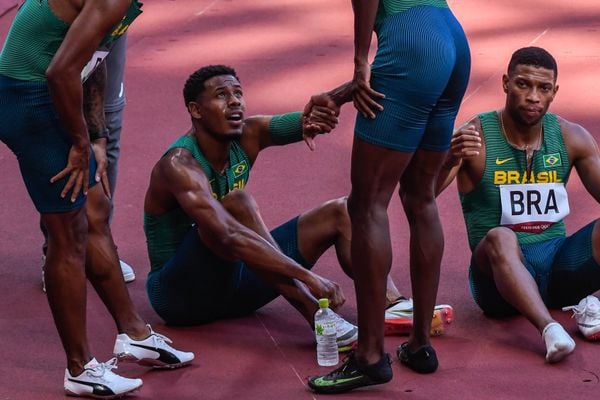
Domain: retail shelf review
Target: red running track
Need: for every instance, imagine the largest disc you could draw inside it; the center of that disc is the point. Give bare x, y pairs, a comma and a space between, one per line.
285, 51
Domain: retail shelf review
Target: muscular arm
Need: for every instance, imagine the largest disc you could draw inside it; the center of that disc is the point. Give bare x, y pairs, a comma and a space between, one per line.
180, 175
93, 102
584, 155
89, 25
63, 74
465, 160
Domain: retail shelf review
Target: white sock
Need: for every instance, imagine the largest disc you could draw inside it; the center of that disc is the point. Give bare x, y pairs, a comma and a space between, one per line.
558, 342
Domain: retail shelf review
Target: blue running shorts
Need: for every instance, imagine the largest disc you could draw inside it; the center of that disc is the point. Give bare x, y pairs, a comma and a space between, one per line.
33, 132
563, 268
195, 286
422, 66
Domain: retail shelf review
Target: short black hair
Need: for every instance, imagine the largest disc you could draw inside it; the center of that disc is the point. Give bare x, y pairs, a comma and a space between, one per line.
195, 82
534, 56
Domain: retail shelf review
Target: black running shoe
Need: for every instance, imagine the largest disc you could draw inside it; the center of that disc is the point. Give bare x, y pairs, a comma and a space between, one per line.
352, 375
423, 361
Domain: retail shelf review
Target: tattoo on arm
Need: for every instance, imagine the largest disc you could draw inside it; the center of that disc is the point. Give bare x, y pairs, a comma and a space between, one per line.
93, 102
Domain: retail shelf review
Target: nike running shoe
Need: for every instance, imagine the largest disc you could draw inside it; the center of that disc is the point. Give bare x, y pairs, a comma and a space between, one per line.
153, 351
399, 318
97, 380
587, 314
347, 334
352, 375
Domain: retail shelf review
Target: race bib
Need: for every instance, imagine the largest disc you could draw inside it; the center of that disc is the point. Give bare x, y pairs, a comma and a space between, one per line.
91, 66
533, 207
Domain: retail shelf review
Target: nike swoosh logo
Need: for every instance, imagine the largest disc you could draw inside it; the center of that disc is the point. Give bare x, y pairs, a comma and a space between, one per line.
500, 162
323, 382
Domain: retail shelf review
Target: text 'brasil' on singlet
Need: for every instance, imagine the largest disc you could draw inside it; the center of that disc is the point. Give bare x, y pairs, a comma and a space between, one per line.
36, 34
535, 206
165, 232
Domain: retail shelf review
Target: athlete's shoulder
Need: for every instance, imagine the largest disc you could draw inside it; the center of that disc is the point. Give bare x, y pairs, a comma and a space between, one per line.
577, 138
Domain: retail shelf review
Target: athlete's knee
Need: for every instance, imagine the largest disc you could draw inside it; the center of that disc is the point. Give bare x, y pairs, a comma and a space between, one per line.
97, 209
67, 232
499, 245
239, 203
416, 201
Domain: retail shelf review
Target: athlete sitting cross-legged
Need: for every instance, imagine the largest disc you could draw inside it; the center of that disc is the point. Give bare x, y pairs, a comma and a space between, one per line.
512, 166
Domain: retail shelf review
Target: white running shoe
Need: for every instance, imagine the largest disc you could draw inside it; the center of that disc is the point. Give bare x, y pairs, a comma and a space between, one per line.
587, 314
346, 332
97, 380
153, 351
128, 274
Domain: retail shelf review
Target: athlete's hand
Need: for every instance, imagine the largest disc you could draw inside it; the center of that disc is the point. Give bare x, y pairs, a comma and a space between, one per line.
77, 169
465, 143
362, 94
99, 149
320, 115
323, 288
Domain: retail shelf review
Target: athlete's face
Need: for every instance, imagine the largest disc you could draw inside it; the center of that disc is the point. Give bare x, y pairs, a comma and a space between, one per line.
219, 109
529, 92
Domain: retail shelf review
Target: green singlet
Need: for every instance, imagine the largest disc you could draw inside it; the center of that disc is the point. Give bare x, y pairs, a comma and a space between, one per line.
165, 232
36, 34
506, 165
391, 7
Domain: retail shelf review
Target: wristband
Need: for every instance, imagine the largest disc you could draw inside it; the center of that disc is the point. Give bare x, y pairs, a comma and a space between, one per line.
96, 134
286, 128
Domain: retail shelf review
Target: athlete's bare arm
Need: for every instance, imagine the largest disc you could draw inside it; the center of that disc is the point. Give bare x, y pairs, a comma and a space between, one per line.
583, 154
89, 21
93, 110
465, 160
178, 178
319, 116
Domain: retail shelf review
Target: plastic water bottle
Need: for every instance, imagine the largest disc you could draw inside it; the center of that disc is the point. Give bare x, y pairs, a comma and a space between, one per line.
326, 333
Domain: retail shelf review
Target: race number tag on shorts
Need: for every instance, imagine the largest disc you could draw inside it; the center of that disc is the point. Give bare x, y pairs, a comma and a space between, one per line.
533, 207
91, 66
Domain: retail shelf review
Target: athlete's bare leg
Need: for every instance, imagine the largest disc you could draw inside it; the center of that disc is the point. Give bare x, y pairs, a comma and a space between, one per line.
65, 283
375, 173
103, 269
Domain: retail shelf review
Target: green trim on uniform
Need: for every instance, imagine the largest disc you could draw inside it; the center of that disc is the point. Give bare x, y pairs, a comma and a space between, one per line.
286, 128
482, 208
36, 34
165, 232
391, 7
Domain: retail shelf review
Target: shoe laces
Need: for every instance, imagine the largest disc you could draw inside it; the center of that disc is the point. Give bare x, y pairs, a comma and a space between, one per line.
100, 369
158, 338
583, 311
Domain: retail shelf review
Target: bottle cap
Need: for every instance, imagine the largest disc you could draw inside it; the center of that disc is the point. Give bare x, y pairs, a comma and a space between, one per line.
323, 303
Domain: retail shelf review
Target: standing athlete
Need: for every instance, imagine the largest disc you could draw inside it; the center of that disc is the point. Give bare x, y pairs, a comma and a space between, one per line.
41, 109
416, 82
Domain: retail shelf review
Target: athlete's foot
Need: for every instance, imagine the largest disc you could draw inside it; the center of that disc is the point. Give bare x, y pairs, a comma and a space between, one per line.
558, 342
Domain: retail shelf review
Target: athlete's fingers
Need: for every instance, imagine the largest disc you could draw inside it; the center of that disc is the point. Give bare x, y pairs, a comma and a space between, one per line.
310, 142
61, 174
69, 185
362, 106
105, 184
77, 187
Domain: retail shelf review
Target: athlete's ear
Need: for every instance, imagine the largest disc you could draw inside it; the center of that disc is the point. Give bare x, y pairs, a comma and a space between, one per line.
193, 109
505, 80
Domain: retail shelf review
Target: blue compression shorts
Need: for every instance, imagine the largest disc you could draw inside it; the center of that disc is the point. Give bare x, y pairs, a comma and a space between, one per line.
422, 66
33, 132
195, 286
563, 268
